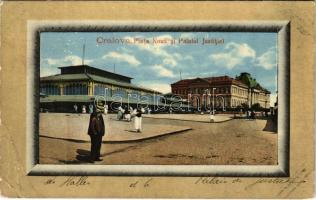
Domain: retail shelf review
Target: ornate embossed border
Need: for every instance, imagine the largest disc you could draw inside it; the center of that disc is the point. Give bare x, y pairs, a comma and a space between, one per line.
282, 28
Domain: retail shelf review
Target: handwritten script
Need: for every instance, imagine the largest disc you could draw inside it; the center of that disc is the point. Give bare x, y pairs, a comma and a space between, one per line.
141, 183
287, 185
68, 181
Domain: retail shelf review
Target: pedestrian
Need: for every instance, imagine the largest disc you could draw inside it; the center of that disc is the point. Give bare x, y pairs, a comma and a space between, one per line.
76, 108
96, 131
138, 120
127, 114
90, 108
119, 113
253, 115
248, 114
84, 109
106, 109
149, 111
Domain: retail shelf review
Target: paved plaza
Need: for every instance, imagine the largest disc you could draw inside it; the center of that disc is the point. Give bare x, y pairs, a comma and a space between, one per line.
75, 127
192, 117
233, 142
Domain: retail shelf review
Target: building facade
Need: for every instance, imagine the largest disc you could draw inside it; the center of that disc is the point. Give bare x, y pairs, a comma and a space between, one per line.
222, 92
81, 84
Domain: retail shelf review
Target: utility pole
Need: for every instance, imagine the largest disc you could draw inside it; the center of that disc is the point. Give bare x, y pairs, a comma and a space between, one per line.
180, 75
83, 53
114, 68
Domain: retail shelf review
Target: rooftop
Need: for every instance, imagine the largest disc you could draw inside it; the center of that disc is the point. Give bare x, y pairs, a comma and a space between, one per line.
85, 72
244, 80
81, 69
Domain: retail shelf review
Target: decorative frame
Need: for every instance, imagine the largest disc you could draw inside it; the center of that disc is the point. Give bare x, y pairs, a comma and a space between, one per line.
282, 28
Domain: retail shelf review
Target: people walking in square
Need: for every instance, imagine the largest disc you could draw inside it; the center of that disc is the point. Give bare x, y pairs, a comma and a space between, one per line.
96, 131
84, 109
120, 113
90, 108
106, 109
138, 120
248, 114
253, 115
76, 108
127, 114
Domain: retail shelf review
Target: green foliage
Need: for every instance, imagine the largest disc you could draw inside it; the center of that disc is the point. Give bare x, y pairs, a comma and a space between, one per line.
245, 106
256, 107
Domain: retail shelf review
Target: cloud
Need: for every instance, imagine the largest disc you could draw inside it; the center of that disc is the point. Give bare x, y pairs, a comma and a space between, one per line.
161, 87
162, 71
75, 60
159, 49
234, 54
170, 61
122, 57
48, 71
66, 61
267, 60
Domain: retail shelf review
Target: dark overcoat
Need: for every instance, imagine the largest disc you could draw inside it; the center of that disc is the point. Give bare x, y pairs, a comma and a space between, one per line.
96, 125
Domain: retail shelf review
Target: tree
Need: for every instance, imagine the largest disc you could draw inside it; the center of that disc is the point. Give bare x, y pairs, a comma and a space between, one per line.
256, 107
245, 106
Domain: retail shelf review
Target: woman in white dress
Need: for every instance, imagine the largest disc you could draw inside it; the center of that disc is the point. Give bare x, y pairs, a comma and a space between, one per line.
138, 120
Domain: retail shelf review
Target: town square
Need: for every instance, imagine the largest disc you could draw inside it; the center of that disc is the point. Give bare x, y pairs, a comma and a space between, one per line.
163, 141
157, 110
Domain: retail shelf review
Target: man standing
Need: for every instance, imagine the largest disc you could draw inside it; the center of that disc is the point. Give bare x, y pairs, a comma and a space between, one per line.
96, 131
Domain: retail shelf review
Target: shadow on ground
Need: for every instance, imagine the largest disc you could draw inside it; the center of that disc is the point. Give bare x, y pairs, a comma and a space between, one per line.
83, 156
271, 126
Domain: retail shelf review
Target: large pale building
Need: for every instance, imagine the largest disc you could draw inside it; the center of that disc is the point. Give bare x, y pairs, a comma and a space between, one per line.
81, 84
223, 91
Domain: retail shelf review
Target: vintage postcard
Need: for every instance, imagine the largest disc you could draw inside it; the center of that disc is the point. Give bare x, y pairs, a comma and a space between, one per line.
172, 98
143, 106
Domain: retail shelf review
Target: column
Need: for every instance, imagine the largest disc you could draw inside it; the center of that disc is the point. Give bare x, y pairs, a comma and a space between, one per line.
61, 89
90, 88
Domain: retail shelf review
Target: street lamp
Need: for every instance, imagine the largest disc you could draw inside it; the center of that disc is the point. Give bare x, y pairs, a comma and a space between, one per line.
205, 102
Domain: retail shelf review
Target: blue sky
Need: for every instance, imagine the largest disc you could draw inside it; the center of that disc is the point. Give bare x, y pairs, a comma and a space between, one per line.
156, 66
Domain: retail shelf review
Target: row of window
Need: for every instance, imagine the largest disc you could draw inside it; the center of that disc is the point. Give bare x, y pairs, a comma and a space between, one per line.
238, 102
76, 89
102, 89
219, 90
239, 91
82, 89
50, 90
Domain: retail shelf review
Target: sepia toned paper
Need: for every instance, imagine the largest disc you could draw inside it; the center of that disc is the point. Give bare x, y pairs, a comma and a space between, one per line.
16, 179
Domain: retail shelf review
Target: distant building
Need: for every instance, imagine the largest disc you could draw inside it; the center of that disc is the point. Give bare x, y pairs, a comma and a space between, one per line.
80, 84
228, 92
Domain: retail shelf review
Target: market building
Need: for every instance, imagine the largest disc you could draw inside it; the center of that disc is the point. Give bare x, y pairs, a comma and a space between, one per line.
81, 84
222, 92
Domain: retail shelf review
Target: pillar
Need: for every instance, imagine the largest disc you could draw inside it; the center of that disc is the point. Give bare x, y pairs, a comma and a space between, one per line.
61, 89
90, 88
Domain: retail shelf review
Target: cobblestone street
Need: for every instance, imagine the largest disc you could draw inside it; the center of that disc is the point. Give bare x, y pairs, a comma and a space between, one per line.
234, 142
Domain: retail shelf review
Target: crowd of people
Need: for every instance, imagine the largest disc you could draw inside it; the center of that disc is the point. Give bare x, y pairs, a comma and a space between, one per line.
128, 113
125, 114
90, 109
